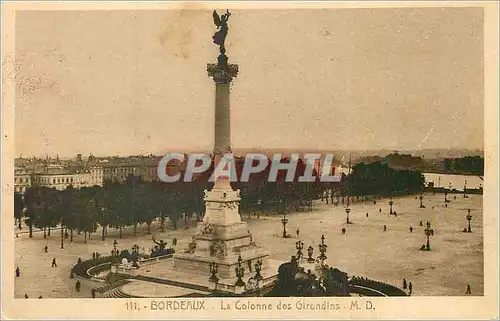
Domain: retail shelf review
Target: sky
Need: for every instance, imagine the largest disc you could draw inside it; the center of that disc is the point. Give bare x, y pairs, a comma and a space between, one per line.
135, 82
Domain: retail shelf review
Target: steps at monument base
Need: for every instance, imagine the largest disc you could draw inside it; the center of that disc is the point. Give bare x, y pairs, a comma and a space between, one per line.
192, 295
117, 293
172, 283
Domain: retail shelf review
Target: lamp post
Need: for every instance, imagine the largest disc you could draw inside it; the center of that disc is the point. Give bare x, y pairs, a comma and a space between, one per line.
421, 197
428, 232
284, 221
390, 206
62, 235
347, 211
322, 249
465, 188
469, 218
445, 196
299, 245
240, 273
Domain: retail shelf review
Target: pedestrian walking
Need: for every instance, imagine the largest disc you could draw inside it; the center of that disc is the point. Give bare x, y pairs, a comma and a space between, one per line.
385, 228
18, 272
405, 285
410, 287
298, 232
468, 289
78, 285
411, 229
46, 248
54, 264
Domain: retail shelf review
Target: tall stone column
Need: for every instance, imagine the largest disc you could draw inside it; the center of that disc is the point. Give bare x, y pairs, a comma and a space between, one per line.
222, 76
222, 238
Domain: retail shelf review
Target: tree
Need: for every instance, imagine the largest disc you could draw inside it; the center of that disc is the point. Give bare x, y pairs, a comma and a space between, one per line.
18, 208
105, 201
150, 203
86, 211
46, 209
68, 210
32, 198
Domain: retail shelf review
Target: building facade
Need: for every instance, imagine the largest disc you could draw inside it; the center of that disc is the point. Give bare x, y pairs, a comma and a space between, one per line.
61, 181
22, 180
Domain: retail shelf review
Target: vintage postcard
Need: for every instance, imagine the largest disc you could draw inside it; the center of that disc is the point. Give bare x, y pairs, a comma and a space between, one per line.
219, 160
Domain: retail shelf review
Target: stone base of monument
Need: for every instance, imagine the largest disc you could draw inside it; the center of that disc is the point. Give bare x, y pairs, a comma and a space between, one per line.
222, 238
223, 241
163, 280
223, 245
225, 266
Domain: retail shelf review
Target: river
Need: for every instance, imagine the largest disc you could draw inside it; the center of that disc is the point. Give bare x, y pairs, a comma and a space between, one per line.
444, 180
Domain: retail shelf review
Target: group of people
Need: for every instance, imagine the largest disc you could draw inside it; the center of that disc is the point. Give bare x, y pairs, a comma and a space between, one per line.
408, 286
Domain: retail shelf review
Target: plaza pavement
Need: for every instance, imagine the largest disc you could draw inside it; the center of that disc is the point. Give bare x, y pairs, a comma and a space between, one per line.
365, 250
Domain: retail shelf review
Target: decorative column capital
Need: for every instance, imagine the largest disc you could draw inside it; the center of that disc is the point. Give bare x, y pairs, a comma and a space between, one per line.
222, 75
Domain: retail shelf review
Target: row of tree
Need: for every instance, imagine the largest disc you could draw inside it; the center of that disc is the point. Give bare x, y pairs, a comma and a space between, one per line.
468, 164
379, 178
135, 202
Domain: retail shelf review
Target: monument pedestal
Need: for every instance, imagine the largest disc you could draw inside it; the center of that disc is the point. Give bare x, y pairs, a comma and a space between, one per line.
221, 238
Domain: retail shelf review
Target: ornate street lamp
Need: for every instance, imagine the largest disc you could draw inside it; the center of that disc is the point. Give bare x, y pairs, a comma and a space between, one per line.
299, 245
213, 272
390, 206
240, 273
284, 221
421, 197
347, 211
428, 232
469, 218
322, 249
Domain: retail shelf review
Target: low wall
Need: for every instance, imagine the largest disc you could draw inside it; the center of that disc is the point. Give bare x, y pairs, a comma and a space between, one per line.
152, 260
370, 287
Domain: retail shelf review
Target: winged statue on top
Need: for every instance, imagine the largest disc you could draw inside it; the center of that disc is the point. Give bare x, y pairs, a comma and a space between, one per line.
222, 28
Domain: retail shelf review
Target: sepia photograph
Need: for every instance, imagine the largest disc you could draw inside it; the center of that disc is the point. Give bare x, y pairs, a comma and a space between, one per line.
282, 160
